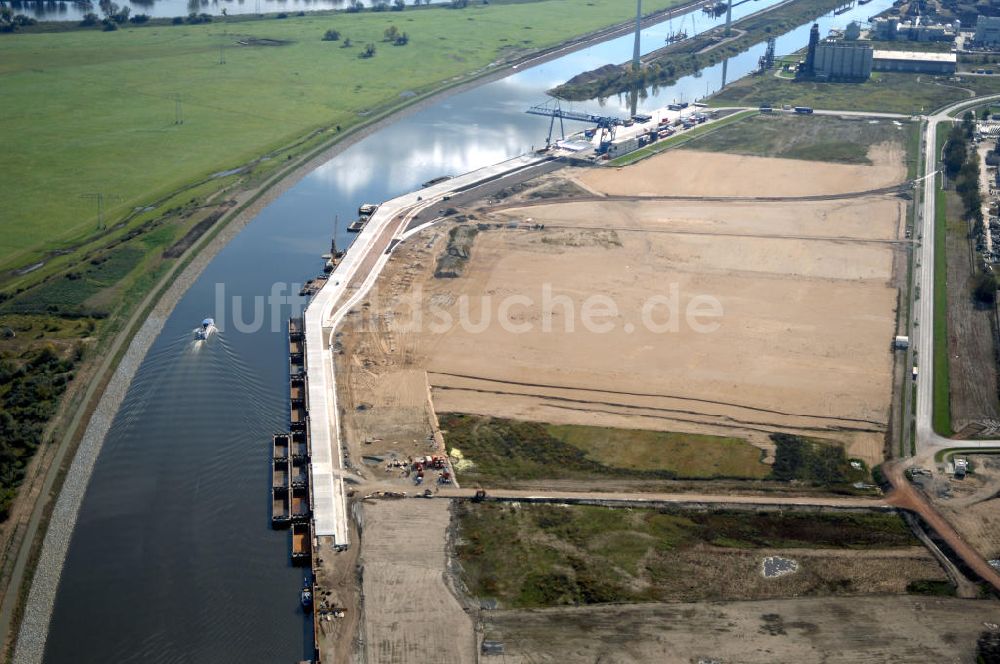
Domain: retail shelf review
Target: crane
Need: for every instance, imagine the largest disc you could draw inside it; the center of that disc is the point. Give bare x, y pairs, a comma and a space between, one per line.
553, 109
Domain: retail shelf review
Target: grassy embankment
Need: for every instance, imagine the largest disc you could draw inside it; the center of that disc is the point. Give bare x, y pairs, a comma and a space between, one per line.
941, 415
884, 92
499, 452
690, 56
545, 555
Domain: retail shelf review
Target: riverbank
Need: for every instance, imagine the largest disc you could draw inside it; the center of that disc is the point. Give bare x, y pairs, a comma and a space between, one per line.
673, 61
173, 285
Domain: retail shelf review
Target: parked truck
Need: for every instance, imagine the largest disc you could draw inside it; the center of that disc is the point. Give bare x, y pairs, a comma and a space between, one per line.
804, 110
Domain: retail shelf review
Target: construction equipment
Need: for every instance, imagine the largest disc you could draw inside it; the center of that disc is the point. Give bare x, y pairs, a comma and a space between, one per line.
553, 109
480, 496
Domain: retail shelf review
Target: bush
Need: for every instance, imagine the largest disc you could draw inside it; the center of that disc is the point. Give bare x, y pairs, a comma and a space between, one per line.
797, 458
984, 288
331, 35
90, 18
177, 20
368, 52
139, 18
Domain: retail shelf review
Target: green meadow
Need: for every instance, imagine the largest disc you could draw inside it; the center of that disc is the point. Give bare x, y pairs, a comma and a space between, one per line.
87, 111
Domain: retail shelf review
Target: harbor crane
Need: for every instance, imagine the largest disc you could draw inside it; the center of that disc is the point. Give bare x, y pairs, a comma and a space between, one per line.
553, 109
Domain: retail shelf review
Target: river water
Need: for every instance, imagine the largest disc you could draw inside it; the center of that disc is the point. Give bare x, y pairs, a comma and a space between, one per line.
172, 559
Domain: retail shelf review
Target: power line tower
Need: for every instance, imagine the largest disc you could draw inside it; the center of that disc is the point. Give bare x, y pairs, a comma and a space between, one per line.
99, 197
638, 30
178, 109
222, 54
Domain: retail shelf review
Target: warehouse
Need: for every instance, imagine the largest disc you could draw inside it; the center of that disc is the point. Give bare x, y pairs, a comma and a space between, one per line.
915, 62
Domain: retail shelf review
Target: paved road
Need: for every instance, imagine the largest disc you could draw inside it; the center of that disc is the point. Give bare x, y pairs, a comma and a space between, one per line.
922, 315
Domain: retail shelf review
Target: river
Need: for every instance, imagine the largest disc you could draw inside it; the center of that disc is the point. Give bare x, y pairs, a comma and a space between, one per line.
172, 559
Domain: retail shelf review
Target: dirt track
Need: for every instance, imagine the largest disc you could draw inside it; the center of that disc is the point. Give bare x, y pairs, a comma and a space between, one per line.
905, 496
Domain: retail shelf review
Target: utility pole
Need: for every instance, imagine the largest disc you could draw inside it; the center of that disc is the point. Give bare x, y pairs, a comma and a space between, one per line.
222, 54
178, 109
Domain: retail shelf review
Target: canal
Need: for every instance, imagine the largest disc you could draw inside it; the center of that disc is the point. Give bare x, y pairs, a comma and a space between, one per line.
172, 559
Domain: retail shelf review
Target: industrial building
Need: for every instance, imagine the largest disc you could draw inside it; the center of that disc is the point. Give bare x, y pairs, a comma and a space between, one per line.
837, 61
987, 31
891, 29
915, 62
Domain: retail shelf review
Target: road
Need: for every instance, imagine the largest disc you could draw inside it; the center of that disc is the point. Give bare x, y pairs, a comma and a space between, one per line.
922, 314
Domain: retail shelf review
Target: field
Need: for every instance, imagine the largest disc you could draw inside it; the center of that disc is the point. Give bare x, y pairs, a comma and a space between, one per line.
971, 348
499, 451
885, 92
841, 140
508, 338
837, 630
530, 556
89, 111
410, 614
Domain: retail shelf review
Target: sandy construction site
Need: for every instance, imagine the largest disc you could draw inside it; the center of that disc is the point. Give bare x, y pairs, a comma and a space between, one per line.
731, 317
836, 630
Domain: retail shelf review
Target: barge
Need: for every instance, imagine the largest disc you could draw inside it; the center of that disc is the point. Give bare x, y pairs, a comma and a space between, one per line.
281, 514
358, 225
312, 286
298, 473
300, 504
300, 443
301, 543
279, 446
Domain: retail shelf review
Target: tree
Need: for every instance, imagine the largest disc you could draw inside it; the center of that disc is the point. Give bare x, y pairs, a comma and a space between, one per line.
369, 51
331, 35
985, 113
969, 124
380, 6
398, 5
390, 33
347, 43
984, 288
355, 6
402, 40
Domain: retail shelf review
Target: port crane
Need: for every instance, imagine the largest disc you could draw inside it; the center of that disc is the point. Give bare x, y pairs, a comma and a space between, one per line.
553, 109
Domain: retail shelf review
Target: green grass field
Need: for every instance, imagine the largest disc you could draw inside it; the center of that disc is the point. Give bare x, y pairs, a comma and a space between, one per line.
941, 417
545, 555
687, 455
885, 92
501, 451
89, 111
812, 137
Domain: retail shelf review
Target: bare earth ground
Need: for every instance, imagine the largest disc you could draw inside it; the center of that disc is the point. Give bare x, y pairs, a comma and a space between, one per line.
693, 173
972, 504
791, 277
411, 616
841, 630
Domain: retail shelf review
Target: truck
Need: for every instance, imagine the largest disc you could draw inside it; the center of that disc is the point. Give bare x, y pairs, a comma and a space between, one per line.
914, 373
804, 110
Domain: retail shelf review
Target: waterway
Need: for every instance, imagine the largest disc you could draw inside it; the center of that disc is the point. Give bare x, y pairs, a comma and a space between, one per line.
172, 559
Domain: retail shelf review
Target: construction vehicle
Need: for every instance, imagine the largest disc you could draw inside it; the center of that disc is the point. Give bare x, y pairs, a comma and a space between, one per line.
480, 496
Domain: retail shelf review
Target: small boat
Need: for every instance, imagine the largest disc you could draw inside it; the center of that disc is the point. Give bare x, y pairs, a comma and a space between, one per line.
306, 597
206, 330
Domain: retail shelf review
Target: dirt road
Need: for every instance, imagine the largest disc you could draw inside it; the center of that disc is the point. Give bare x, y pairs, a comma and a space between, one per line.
905, 496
